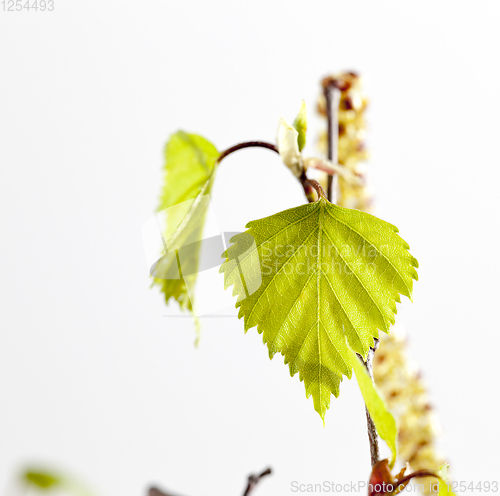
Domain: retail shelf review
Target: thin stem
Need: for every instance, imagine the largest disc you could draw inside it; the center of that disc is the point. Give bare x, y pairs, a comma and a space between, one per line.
372, 431
247, 144
308, 189
332, 96
254, 479
263, 144
252, 482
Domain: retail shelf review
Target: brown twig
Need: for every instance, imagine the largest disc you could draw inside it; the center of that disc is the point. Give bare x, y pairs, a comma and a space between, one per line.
332, 96
332, 93
247, 144
254, 479
252, 482
308, 189
263, 144
372, 431
154, 491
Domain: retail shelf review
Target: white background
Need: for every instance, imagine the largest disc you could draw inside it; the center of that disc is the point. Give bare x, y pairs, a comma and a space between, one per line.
94, 379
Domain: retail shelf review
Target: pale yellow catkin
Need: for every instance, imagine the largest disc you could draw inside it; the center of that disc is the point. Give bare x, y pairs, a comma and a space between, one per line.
351, 144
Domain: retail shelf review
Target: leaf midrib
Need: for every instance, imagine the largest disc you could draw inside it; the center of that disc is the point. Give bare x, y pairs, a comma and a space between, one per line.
318, 297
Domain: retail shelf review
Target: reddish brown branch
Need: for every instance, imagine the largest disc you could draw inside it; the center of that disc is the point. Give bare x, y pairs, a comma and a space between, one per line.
332, 97
263, 144
247, 144
372, 431
254, 479
153, 491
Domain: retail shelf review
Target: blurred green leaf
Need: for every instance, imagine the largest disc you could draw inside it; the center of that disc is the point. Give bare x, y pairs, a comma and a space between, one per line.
42, 480
47, 480
190, 162
382, 418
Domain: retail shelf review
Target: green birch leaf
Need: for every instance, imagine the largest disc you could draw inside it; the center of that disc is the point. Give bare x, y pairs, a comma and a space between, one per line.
300, 124
190, 163
316, 280
382, 418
